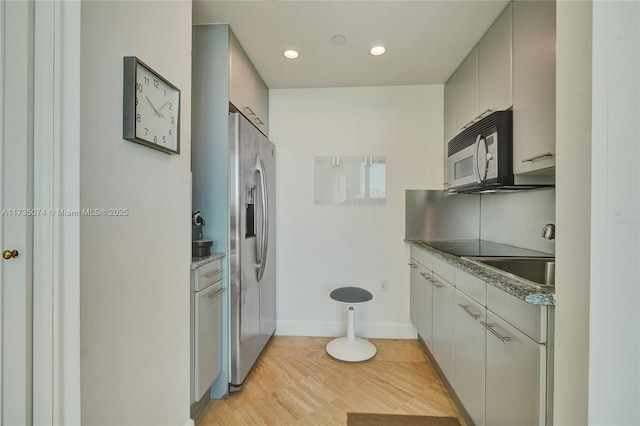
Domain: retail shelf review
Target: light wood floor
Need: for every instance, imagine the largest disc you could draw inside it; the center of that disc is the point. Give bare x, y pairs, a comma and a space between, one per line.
296, 382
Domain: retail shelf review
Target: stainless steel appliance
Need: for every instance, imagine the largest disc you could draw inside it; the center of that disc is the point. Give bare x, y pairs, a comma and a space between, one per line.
200, 247
480, 158
252, 246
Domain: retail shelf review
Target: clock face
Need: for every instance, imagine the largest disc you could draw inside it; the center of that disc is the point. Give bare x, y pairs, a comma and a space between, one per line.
157, 109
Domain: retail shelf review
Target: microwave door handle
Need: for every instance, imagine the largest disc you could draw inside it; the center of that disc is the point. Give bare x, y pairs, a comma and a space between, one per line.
482, 176
475, 157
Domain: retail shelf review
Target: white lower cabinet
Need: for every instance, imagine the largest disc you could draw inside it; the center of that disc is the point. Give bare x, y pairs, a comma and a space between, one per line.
490, 346
414, 281
443, 303
469, 356
421, 304
515, 376
425, 310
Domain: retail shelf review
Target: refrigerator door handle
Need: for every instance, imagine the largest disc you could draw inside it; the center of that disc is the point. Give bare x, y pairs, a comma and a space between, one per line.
264, 232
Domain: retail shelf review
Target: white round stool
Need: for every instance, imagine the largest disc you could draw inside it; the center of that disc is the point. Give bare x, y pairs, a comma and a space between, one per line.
351, 348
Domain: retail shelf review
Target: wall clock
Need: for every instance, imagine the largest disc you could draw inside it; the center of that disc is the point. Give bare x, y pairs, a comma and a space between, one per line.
151, 108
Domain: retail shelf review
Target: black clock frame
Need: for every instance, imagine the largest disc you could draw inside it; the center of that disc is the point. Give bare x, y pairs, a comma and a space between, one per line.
129, 105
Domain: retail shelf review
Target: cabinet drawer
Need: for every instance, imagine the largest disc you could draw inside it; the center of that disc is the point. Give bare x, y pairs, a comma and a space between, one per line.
444, 269
529, 319
208, 274
472, 286
421, 256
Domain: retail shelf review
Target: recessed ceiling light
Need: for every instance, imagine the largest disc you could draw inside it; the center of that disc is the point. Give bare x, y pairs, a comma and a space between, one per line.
291, 54
377, 50
338, 39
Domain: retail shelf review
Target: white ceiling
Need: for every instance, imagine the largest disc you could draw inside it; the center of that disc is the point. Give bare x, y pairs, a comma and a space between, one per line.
425, 40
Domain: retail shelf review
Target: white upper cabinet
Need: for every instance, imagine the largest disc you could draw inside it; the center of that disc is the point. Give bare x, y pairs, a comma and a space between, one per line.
483, 81
247, 91
450, 125
513, 66
534, 86
466, 93
495, 79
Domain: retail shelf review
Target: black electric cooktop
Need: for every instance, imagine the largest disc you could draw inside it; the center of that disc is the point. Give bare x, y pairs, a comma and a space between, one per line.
481, 248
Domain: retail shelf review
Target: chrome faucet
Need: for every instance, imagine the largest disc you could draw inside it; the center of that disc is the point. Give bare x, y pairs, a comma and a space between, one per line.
549, 231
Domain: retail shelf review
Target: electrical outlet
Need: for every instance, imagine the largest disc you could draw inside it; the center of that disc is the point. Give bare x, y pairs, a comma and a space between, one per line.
384, 284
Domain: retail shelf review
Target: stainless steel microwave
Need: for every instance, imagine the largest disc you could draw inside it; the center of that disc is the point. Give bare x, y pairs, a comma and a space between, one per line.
480, 158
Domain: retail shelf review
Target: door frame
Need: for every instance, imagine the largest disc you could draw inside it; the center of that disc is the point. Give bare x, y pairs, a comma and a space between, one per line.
56, 257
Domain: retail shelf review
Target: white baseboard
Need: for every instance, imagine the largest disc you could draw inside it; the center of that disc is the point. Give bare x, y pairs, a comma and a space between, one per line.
337, 328
190, 422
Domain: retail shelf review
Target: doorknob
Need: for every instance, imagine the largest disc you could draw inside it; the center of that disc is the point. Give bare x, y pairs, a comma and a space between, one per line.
10, 254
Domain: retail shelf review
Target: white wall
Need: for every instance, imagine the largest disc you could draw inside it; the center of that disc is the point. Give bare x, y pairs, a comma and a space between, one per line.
573, 211
322, 247
614, 338
134, 270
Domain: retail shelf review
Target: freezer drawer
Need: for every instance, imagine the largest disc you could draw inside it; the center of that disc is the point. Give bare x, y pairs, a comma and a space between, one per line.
208, 338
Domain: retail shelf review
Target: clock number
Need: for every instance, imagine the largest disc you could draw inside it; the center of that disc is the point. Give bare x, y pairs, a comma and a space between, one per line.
156, 83
136, 101
164, 139
146, 81
139, 86
170, 106
146, 131
165, 94
170, 132
171, 120
138, 118
155, 139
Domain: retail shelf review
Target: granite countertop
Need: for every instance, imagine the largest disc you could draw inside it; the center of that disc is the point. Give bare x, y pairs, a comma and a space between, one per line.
529, 293
197, 262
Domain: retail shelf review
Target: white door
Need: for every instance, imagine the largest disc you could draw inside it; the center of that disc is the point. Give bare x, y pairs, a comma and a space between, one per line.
469, 356
443, 302
515, 381
16, 226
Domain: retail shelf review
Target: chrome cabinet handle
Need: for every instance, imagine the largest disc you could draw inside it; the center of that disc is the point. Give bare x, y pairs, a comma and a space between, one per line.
466, 309
425, 276
214, 273
250, 111
256, 119
214, 295
478, 118
413, 265
488, 326
483, 114
436, 283
537, 157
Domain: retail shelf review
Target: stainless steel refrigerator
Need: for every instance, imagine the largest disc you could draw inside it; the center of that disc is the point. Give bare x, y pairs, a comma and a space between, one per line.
252, 245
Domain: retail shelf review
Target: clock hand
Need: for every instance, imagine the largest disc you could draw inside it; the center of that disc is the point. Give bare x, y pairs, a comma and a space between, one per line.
163, 105
156, 112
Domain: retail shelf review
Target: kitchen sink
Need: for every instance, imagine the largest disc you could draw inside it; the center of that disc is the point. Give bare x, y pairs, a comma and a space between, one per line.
540, 271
